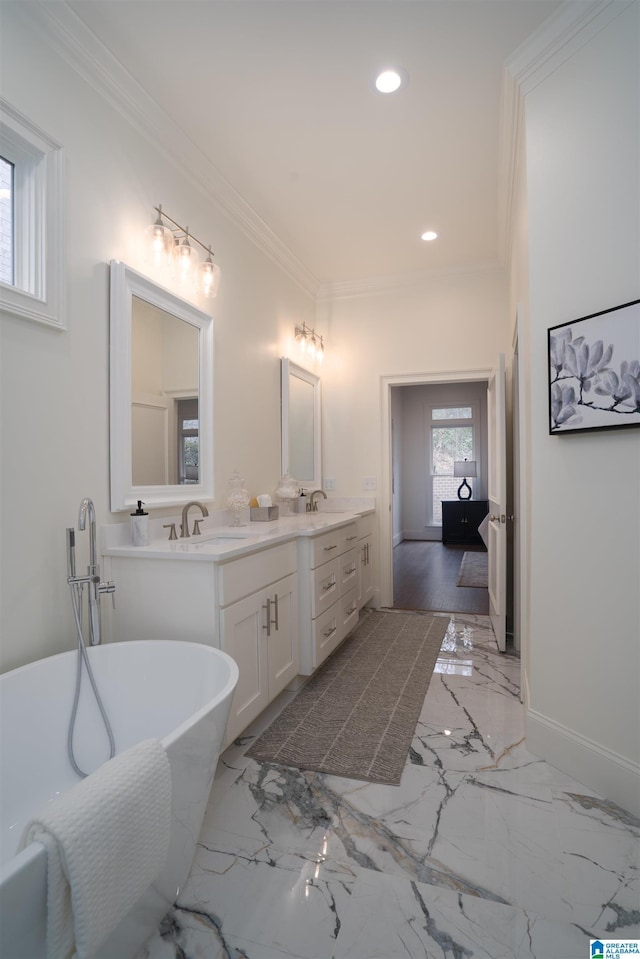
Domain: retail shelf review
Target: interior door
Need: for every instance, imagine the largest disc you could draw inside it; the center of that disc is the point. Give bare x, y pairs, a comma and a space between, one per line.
497, 490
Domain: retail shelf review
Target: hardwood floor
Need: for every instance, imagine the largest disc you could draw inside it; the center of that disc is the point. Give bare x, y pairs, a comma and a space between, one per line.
424, 577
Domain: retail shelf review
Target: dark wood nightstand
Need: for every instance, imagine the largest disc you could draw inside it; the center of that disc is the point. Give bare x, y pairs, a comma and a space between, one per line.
460, 521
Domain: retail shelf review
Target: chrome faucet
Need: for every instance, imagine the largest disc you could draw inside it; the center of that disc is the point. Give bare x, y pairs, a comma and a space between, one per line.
184, 526
96, 588
312, 506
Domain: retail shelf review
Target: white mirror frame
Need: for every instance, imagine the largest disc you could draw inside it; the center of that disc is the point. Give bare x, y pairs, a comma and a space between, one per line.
288, 369
125, 284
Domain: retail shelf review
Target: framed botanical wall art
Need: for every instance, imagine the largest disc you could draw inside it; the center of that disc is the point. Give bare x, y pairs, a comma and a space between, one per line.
594, 371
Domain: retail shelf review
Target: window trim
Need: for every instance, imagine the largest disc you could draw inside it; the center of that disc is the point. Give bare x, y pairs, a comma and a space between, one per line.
473, 422
39, 226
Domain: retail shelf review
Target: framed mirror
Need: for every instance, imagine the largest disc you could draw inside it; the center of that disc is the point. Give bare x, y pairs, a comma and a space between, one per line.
161, 385
301, 425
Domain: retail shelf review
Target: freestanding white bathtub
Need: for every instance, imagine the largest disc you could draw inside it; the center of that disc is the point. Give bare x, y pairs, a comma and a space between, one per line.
179, 693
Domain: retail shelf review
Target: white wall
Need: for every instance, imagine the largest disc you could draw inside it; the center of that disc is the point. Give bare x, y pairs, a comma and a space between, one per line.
452, 323
55, 392
583, 162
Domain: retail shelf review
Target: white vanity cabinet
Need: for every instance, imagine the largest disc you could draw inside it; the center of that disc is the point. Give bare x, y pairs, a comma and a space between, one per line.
258, 627
328, 584
366, 554
278, 600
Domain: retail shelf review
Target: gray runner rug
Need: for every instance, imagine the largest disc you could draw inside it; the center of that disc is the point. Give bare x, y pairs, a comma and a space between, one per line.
356, 716
474, 570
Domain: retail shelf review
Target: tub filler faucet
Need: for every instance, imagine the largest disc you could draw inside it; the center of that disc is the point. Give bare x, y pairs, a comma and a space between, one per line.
92, 579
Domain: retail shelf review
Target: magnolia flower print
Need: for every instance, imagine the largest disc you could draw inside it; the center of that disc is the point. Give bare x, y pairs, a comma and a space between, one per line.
563, 405
577, 368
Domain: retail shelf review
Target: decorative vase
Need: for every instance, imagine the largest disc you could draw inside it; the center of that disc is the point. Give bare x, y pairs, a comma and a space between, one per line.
237, 498
288, 490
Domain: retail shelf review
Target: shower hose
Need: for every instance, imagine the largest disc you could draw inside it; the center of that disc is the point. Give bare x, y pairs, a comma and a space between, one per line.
76, 602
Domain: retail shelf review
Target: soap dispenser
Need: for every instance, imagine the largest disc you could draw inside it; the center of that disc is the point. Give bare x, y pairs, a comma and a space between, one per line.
140, 526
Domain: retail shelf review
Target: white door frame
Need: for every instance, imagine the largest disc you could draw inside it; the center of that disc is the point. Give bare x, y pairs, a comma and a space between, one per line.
497, 496
520, 512
386, 503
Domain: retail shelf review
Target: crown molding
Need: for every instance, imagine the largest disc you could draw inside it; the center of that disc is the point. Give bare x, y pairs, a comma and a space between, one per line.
560, 37
402, 283
85, 53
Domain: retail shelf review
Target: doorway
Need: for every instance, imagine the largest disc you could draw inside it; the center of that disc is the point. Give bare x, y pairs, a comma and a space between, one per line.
390, 485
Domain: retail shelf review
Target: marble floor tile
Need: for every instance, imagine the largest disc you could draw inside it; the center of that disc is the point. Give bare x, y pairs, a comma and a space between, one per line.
483, 850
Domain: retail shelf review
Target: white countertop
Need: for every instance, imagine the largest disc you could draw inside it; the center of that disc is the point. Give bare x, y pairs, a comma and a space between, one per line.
220, 543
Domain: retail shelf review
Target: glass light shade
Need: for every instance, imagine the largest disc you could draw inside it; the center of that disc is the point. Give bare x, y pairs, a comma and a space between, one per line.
302, 339
209, 277
159, 239
464, 468
185, 258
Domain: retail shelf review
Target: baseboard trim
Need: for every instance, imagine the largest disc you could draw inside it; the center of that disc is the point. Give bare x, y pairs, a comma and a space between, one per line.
600, 769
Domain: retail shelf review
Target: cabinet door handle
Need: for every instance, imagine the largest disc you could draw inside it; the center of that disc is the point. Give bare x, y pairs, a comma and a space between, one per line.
329, 632
328, 549
267, 626
275, 621
349, 538
351, 611
366, 546
348, 572
329, 586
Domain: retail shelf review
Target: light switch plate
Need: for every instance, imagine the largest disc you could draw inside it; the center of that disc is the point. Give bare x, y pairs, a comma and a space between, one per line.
369, 482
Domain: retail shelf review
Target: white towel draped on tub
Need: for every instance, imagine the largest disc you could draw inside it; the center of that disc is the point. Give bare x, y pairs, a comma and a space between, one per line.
106, 839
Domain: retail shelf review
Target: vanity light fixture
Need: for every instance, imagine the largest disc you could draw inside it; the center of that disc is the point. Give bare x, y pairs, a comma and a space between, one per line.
429, 235
311, 343
172, 246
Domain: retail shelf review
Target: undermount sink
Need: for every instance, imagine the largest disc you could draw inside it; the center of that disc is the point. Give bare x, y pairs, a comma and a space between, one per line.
222, 538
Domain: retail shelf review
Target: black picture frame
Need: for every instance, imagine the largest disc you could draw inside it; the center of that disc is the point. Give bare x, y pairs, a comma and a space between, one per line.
594, 371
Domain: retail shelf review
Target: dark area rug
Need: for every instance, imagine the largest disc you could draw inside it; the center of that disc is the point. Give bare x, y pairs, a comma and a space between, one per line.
356, 716
474, 570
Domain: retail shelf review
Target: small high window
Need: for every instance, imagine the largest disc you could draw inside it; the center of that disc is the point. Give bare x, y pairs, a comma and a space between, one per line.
32, 245
7, 222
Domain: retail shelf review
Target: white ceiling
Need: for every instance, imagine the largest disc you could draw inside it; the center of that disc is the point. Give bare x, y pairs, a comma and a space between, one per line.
278, 95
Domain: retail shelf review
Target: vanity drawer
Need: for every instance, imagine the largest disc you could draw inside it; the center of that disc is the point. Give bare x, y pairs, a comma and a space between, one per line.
325, 547
325, 634
326, 587
348, 612
348, 537
348, 565
331, 544
240, 577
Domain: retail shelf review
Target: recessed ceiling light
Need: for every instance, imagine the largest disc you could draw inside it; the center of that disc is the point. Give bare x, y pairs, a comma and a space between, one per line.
429, 235
389, 81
